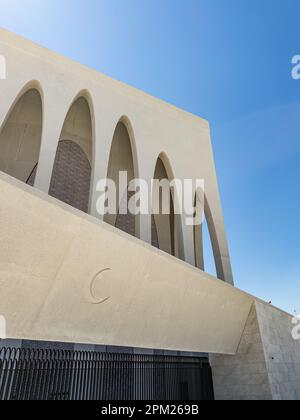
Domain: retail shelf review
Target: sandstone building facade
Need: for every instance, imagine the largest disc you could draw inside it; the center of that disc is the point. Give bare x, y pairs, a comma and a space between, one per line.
138, 282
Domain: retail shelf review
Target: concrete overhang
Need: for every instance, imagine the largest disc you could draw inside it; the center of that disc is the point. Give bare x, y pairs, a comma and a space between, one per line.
65, 276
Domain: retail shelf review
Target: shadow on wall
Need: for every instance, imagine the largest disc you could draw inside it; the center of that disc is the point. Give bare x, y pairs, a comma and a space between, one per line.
166, 228
20, 138
123, 159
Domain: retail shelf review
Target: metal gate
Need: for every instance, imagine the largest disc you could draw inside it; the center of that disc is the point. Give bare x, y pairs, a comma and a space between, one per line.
63, 375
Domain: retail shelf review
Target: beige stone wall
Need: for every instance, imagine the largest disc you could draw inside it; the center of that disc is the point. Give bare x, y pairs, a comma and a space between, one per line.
20, 138
66, 277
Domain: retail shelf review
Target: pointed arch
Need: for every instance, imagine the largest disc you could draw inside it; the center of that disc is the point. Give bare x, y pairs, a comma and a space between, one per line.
123, 158
214, 241
199, 230
21, 134
166, 228
74, 161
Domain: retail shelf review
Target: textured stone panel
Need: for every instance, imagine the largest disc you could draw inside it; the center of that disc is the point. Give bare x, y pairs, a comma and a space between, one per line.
282, 352
267, 363
125, 220
243, 376
152, 296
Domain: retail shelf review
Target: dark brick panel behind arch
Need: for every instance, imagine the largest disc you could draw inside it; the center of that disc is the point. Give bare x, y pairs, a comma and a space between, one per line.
127, 222
71, 177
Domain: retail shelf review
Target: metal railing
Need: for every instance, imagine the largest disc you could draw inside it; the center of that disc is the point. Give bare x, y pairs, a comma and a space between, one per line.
65, 375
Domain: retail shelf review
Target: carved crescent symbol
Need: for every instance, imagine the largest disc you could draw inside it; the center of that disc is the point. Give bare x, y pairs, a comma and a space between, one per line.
94, 299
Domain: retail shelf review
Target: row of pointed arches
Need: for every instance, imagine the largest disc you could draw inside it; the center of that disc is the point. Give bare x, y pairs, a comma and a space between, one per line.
71, 181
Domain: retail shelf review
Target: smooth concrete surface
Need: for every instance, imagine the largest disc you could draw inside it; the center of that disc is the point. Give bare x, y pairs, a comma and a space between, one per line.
70, 91
66, 277
267, 363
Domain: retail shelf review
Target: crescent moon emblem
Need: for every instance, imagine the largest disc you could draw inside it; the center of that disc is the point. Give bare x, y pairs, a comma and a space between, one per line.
94, 299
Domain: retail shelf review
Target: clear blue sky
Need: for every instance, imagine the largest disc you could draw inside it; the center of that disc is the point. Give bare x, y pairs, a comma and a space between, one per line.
228, 61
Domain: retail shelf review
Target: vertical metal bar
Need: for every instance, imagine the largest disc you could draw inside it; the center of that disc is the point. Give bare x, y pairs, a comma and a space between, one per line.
61, 375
